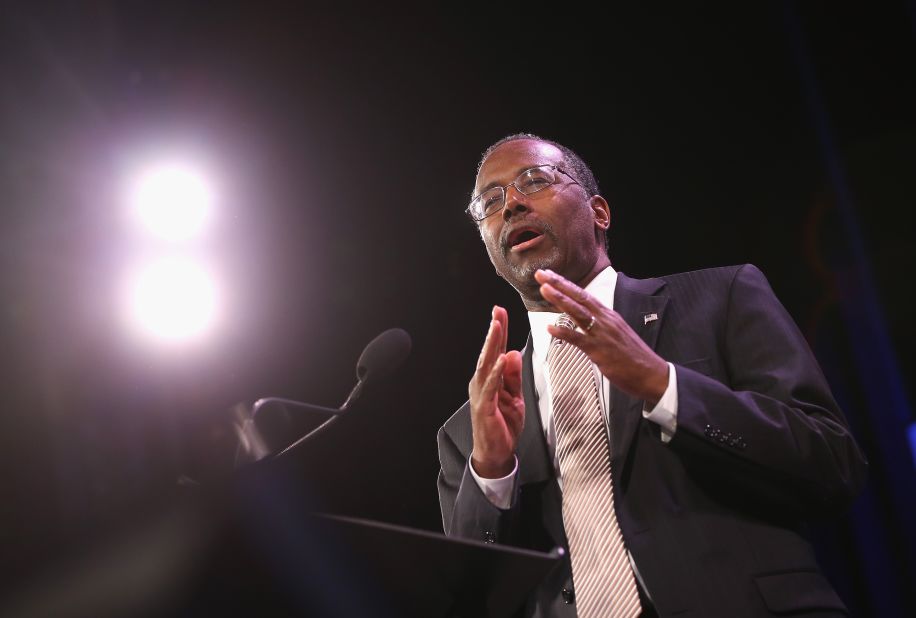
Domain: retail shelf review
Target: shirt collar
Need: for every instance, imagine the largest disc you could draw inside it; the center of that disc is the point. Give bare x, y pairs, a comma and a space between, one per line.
601, 287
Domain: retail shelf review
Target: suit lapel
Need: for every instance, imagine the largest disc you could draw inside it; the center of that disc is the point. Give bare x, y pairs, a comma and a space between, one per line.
636, 302
534, 463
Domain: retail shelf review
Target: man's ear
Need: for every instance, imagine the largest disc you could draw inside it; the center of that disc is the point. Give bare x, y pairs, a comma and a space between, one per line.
602, 212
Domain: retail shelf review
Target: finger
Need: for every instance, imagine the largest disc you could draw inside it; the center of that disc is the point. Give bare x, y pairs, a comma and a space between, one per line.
513, 412
502, 316
494, 379
512, 373
511, 400
568, 288
580, 315
490, 349
580, 340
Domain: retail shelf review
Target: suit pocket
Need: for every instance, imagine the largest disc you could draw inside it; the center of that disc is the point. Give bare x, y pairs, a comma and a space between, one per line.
795, 591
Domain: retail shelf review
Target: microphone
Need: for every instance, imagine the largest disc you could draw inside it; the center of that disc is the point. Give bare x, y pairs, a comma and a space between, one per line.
381, 357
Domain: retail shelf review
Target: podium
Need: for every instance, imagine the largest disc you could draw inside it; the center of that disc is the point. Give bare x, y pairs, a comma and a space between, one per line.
274, 550
428, 575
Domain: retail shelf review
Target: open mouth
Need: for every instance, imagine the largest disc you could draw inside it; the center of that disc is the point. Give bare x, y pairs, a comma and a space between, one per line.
524, 238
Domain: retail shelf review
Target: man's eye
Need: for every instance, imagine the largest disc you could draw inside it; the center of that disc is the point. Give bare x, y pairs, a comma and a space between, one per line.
534, 182
489, 200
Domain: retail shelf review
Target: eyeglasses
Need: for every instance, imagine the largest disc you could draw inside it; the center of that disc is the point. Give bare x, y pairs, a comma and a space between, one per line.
530, 181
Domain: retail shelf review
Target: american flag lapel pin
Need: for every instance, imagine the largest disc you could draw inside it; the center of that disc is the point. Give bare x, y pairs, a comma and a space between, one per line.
649, 317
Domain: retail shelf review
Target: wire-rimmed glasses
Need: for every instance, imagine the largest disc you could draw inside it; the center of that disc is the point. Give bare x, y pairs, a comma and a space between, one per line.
530, 181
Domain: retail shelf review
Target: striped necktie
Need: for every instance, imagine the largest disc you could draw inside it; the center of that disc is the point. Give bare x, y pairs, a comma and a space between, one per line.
603, 578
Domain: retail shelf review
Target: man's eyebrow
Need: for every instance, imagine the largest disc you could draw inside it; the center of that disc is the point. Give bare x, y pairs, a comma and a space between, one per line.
518, 172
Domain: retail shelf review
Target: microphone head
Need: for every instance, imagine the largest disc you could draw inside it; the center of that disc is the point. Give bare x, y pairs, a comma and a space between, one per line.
383, 355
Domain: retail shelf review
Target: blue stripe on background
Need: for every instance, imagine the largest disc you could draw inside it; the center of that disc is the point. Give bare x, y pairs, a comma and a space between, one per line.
911, 432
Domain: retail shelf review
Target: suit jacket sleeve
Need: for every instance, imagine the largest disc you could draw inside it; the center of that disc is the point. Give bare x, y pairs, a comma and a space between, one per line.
770, 430
466, 511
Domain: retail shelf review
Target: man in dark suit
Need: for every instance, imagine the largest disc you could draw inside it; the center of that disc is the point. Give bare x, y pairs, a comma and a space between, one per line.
722, 434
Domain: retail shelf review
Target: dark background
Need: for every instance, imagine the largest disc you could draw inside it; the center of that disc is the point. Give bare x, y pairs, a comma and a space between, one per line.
343, 143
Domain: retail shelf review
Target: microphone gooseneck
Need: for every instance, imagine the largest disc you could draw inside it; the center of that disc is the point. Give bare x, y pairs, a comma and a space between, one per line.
380, 358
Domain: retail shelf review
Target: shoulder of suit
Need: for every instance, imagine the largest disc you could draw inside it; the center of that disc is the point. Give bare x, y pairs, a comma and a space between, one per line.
459, 422
719, 274
457, 430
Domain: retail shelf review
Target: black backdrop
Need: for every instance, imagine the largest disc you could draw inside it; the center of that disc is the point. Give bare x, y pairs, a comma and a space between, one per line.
343, 144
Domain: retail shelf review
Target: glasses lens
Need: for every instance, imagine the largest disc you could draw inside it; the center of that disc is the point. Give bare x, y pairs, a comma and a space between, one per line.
535, 179
487, 203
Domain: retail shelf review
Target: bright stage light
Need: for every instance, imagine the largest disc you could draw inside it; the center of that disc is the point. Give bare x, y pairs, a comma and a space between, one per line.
172, 299
173, 201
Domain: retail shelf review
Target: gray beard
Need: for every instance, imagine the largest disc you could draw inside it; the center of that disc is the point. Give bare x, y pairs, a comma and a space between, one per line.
523, 272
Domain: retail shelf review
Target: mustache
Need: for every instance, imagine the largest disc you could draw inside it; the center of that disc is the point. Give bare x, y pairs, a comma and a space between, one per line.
542, 226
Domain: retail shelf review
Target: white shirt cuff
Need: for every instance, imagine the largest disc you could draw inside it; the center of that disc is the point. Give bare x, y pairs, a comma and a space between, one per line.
498, 491
664, 414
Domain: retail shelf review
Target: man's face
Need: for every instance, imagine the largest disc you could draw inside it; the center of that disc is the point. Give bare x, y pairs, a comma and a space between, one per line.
554, 228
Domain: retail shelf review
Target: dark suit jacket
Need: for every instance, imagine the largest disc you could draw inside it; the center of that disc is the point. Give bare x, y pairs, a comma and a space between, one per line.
713, 519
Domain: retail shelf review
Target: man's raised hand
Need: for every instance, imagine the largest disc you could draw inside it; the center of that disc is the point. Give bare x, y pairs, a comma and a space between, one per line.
497, 404
620, 354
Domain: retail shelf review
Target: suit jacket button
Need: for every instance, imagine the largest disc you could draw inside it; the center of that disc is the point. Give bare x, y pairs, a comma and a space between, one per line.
489, 537
569, 597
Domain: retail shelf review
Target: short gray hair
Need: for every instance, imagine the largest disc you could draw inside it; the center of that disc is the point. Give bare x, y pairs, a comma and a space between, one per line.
576, 166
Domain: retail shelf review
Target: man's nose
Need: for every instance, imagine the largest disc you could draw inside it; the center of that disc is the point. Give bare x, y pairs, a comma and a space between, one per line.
516, 202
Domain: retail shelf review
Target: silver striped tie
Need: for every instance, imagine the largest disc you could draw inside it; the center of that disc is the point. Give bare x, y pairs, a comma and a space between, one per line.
603, 578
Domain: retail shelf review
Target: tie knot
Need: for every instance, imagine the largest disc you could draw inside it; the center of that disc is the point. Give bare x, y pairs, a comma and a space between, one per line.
564, 321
